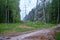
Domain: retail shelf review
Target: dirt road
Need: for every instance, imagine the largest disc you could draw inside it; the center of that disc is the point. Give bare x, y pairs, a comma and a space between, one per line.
43, 34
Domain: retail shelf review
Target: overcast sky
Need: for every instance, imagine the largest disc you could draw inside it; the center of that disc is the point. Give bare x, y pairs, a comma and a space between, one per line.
29, 5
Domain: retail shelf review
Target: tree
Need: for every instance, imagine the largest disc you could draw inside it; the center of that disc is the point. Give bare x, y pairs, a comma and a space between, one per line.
44, 18
36, 12
9, 10
48, 12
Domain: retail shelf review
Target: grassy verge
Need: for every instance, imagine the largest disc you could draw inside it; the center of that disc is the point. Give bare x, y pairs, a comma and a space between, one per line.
38, 24
7, 27
12, 27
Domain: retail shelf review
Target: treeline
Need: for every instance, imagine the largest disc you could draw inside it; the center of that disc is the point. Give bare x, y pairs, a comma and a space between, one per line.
47, 12
52, 12
30, 16
9, 11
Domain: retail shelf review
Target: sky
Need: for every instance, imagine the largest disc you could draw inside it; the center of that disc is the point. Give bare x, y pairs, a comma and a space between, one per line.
30, 4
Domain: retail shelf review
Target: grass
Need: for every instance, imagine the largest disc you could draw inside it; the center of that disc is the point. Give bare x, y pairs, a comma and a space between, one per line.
9, 25
38, 24
13, 27
57, 36
23, 29
4, 27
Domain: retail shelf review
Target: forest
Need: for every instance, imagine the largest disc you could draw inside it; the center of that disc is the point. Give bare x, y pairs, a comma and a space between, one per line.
41, 23
48, 12
9, 11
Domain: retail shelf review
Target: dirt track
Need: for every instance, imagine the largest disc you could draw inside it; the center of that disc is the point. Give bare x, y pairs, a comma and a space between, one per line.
43, 34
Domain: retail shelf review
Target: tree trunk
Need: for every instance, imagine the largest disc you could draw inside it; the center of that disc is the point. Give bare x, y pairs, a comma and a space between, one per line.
44, 20
58, 13
36, 12
6, 12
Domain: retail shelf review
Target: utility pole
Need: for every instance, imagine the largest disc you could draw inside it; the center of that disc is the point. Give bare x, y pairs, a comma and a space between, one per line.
25, 9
